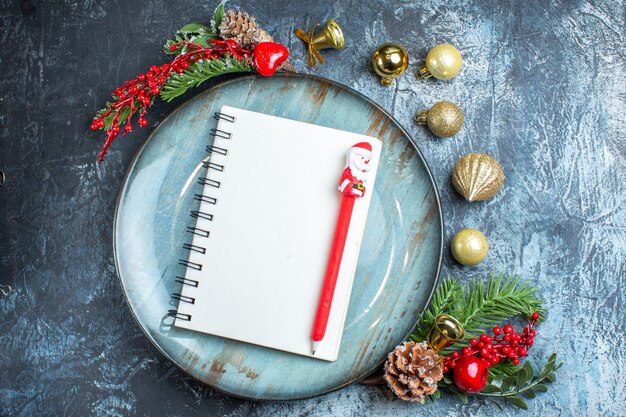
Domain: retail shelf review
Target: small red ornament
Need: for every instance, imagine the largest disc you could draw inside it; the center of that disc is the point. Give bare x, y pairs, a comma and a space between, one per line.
268, 56
470, 374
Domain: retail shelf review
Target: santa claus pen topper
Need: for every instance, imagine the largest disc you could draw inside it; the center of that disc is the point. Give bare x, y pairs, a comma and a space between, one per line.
351, 186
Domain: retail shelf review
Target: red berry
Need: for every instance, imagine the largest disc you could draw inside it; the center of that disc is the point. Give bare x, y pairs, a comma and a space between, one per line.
529, 342
516, 361
467, 351
173, 47
473, 341
494, 360
452, 364
470, 374
143, 122
535, 316
506, 350
445, 369
511, 355
455, 354
128, 127
184, 64
507, 338
101, 123
481, 345
484, 353
141, 77
523, 352
497, 330
508, 329
95, 126
483, 337
532, 333
488, 339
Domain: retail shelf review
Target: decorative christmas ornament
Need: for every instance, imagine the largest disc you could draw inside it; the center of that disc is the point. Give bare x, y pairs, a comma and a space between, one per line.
327, 36
412, 371
470, 364
443, 62
389, 61
199, 55
477, 176
445, 331
470, 373
477, 306
242, 28
469, 247
268, 56
444, 119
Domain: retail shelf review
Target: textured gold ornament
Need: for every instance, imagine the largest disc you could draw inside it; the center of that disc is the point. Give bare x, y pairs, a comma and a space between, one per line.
469, 246
389, 61
326, 36
444, 119
443, 62
477, 176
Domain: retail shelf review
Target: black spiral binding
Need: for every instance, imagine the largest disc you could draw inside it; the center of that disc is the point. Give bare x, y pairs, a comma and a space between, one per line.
197, 214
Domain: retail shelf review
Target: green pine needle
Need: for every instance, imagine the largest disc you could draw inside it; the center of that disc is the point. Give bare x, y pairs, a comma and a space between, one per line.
479, 307
200, 71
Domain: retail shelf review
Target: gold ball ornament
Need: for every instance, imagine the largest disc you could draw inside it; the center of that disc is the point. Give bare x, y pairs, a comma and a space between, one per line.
444, 119
477, 176
443, 62
469, 247
389, 61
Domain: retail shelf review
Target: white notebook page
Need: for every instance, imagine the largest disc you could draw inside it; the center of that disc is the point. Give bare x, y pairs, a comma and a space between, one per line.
271, 232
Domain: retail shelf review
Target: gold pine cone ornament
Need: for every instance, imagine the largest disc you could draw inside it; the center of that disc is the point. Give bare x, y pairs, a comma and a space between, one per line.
412, 371
477, 176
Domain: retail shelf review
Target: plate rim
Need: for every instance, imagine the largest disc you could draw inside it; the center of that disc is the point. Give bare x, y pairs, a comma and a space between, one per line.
209, 90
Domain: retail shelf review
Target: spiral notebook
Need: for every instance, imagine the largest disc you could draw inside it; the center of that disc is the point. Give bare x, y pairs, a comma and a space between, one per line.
259, 241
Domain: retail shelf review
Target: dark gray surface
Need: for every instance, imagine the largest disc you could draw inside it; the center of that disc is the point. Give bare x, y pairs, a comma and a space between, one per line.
543, 90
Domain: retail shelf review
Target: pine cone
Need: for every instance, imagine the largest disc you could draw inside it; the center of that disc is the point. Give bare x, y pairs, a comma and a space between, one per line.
412, 371
242, 28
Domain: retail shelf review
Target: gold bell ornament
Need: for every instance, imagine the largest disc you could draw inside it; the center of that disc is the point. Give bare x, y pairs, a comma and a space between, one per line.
443, 62
326, 36
469, 247
446, 331
389, 61
477, 176
444, 119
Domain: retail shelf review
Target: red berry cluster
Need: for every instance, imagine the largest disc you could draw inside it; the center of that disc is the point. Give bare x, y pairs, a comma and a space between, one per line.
137, 94
504, 344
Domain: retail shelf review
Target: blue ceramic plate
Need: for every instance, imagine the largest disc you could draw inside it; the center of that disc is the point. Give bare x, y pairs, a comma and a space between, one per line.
398, 264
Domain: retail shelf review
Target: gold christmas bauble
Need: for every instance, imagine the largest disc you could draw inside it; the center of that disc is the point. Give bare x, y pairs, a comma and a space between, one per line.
389, 61
444, 119
443, 62
469, 246
477, 176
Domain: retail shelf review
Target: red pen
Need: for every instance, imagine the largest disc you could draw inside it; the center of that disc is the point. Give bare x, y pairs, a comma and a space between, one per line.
351, 186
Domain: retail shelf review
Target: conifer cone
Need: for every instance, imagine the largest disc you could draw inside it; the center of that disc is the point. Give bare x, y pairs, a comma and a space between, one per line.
242, 28
412, 371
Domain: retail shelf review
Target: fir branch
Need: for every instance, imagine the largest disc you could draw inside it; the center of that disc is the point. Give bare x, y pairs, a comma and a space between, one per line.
200, 71
478, 307
501, 300
447, 294
522, 383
